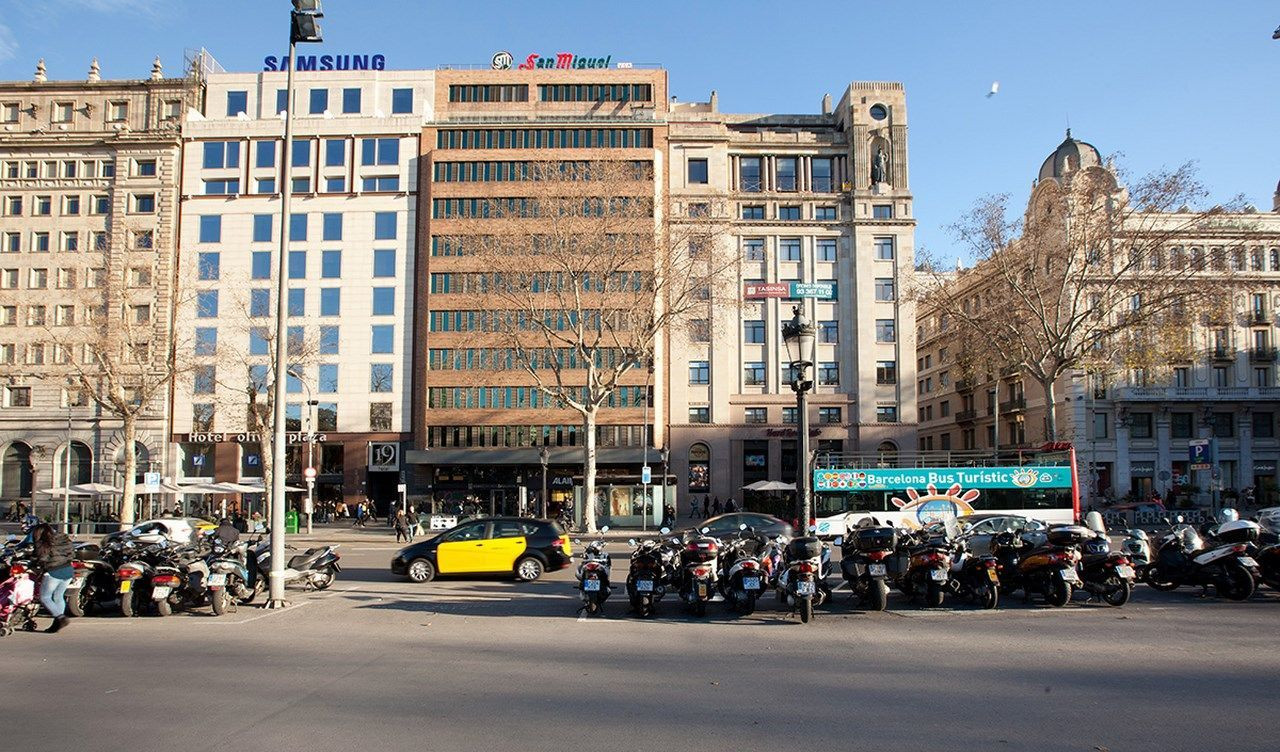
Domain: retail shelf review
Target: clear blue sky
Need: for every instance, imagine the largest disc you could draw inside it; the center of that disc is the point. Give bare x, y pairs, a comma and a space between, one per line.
1159, 82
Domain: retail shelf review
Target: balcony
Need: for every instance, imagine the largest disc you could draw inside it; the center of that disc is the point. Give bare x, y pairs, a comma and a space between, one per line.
1196, 393
966, 416
1015, 405
1262, 354
964, 385
1222, 353
1010, 370
1258, 317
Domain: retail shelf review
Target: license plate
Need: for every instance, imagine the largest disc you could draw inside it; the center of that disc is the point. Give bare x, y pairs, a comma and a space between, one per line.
939, 575
804, 588
126, 586
217, 580
160, 593
644, 586
1125, 571
591, 586
1070, 575
750, 583
991, 575
876, 570
702, 590
1248, 561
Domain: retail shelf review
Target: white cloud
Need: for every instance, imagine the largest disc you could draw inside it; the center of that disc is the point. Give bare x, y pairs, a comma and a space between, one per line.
8, 44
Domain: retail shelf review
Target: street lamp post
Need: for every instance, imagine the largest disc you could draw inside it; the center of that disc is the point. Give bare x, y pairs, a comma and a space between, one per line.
309, 421
66, 479
544, 457
799, 334
666, 457
304, 26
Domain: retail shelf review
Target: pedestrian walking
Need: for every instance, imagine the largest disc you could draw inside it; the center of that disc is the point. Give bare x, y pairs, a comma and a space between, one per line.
370, 510
360, 512
730, 507
693, 507
401, 524
415, 525
715, 507
54, 553
706, 507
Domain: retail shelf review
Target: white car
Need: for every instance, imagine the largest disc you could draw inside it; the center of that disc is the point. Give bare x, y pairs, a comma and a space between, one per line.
179, 530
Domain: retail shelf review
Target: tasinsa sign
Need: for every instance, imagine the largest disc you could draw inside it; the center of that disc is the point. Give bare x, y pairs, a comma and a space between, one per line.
327, 62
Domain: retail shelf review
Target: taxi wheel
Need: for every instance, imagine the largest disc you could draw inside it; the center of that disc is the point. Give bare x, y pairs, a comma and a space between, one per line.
421, 570
528, 569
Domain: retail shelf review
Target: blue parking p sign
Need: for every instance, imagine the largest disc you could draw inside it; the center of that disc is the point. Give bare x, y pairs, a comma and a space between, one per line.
1200, 454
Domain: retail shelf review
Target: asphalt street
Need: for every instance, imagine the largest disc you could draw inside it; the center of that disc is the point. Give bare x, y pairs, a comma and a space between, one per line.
382, 664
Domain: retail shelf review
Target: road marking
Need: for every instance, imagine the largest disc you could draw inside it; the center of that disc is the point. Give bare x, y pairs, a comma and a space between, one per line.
266, 613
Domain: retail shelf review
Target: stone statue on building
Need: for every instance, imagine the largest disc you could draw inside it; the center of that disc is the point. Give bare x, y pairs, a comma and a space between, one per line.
880, 167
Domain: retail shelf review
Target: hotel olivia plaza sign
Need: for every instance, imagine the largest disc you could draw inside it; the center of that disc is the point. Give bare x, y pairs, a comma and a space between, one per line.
503, 60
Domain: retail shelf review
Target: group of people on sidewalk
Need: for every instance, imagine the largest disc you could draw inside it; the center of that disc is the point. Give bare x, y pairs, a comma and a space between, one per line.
710, 507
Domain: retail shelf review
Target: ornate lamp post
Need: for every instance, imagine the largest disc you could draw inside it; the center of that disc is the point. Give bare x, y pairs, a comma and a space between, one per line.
799, 334
544, 457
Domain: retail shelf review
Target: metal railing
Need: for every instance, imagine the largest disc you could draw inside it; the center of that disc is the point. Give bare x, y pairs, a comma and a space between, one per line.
1262, 354
966, 416
1013, 405
1192, 393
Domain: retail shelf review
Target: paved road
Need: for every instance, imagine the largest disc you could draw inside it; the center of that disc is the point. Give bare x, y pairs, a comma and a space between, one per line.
380, 664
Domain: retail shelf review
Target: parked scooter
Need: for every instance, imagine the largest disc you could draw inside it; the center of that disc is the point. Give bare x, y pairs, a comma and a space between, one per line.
698, 570
1268, 555
863, 562
921, 565
137, 585
1183, 559
228, 576
647, 576
799, 583
93, 583
1105, 574
1137, 546
743, 579
314, 569
973, 576
593, 575
1048, 570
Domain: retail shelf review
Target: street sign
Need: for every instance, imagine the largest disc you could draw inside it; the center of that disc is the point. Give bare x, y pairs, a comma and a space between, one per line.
401, 488
151, 483
646, 475
309, 473
1200, 453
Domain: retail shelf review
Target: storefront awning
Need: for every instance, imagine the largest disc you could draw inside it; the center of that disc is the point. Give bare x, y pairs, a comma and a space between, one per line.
529, 456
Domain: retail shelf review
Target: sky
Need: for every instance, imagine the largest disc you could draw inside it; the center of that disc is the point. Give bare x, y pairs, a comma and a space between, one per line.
1155, 83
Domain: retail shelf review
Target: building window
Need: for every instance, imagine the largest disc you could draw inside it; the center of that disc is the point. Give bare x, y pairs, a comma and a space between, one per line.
886, 414
331, 264
753, 249
384, 226
698, 171
786, 173
829, 415
886, 372
1224, 425
384, 301
380, 378
266, 154
63, 111
1222, 376
221, 155
384, 338
753, 212
207, 304
379, 416
699, 372
202, 417
884, 249
789, 213
144, 203
826, 249
379, 151
402, 101
209, 267
328, 340
1140, 425
753, 332
17, 396
882, 211
266, 186
330, 301
206, 341
1180, 425
753, 374
699, 415
790, 249
886, 330
756, 415
884, 289
44, 206
319, 101
296, 302
789, 416
1262, 377
829, 374
700, 330
749, 175
829, 332
300, 156
384, 263
825, 213
351, 101
237, 103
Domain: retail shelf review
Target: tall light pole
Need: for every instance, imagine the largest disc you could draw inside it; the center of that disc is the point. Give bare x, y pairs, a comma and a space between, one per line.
799, 334
544, 457
644, 431
310, 420
304, 26
66, 478
666, 457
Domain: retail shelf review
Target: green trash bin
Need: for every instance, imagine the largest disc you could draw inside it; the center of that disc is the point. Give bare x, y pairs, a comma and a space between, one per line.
291, 521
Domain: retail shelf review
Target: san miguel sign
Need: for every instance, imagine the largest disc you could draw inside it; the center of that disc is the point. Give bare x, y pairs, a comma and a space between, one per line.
561, 61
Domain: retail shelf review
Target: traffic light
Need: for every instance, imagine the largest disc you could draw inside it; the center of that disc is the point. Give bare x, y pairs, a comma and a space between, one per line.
306, 21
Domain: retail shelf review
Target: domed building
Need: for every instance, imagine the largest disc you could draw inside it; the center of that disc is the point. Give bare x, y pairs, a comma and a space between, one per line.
1070, 156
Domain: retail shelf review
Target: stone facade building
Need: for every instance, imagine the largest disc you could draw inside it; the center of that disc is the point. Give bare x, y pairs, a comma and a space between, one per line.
88, 210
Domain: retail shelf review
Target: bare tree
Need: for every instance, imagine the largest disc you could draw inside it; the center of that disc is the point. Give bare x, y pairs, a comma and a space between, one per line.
1095, 276
583, 275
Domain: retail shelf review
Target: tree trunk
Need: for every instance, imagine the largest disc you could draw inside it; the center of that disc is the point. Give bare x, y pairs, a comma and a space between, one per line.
129, 428
1050, 410
265, 449
589, 470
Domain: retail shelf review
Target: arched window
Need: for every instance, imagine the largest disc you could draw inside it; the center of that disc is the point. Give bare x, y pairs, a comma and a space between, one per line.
81, 464
888, 454
15, 471
699, 468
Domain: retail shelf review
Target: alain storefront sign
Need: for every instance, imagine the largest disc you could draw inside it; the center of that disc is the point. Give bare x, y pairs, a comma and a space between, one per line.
760, 290
503, 60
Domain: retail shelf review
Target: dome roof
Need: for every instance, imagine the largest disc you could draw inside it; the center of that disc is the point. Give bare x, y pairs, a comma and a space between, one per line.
1071, 155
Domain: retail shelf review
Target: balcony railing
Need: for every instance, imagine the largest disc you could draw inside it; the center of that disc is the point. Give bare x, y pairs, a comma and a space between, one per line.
1222, 353
1010, 370
1017, 404
1262, 354
966, 416
964, 385
1196, 393
823, 185
1259, 317
750, 185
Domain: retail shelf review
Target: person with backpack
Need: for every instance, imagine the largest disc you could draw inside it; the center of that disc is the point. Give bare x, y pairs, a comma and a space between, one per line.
54, 553
401, 524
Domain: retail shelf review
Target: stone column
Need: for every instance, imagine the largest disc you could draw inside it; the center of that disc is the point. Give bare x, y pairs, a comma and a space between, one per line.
1121, 483
1245, 464
1164, 455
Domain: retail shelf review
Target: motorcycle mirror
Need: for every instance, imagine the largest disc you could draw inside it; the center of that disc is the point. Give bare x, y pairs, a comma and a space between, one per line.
631, 541
743, 526
839, 540
1179, 518
665, 530
706, 530
11, 538
604, 529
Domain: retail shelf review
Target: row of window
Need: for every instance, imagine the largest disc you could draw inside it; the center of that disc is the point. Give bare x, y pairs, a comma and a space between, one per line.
520, 171
318, 101
785, 177
519, 320
374, 152
115, 111
50, 169
261, 265
531, 436
789, 249
545, 138
790, 213
68, 241
790, 415
205, 378
337, 184
524, 207
75, 205
385, 227
475, 282
506, 359
326, 418
753, 373
1182, 425
40, 353
66, 278
522, 397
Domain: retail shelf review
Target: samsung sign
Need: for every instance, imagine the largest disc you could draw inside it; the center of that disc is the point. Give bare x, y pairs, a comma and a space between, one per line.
327, 62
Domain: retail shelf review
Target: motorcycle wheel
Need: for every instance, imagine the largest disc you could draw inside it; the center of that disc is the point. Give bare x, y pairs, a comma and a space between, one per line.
747, 606
164, 607
700, 609
933, 595
642, 605
878, 595
1155, 581
806, 610
326, 578
593, 607
220, 599
1236, 583
989, 596
78, 603
1059, 593
1117, 591
129, 604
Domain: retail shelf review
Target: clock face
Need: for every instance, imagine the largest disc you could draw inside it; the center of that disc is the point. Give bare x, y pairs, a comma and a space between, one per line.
879, 112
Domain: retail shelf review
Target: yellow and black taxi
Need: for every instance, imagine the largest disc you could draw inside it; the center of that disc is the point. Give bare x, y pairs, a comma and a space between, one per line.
522, 546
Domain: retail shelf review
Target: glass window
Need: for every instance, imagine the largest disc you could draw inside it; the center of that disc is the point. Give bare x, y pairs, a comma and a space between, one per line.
384, 338
753, 374
332, 227
790, 249
699, 415
699, 372
267, 185
328, 340
335, 185
297, 302
328, 379
756, 415
379, 151
821, 171
825, 213
331, 264
330, 301
1140, 425
301, 154
282, 100
221, 154
335, 152
380, 377
753, 332
297, 227
829, 414
319, 101
829, 373
261, 265
351, 101
209, 266
826, 249
207, 304
789, 213
384, 226
886, 330
884, 289
297, 264
753, 249
749, 175
1180, 426
211, 229
266, 154
144, 203
262, 228
829, 332
384, 263
204, 380
698, 171
790, 415
753, 212
886, 372
786, 169
384, 301
1224, 425
886, 414
1264, 425
206, 340
259, 303
401, 101
237, 103
882, 211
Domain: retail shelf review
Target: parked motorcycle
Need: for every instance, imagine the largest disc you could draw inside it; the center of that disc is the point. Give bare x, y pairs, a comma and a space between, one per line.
921, 564
1137, 546
1105, 574
799, 583
743, 578
1268, 555
1048, 570
315, 568
1182, 558
137, 586
648, 574
973, 576
93, 583
593, 575
228, 576
698, 570
863, 557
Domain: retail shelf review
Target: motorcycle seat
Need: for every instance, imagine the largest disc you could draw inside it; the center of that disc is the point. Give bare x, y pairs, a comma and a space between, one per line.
299, 561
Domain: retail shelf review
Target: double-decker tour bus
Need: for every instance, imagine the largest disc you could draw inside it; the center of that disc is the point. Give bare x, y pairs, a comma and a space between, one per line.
915, 489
